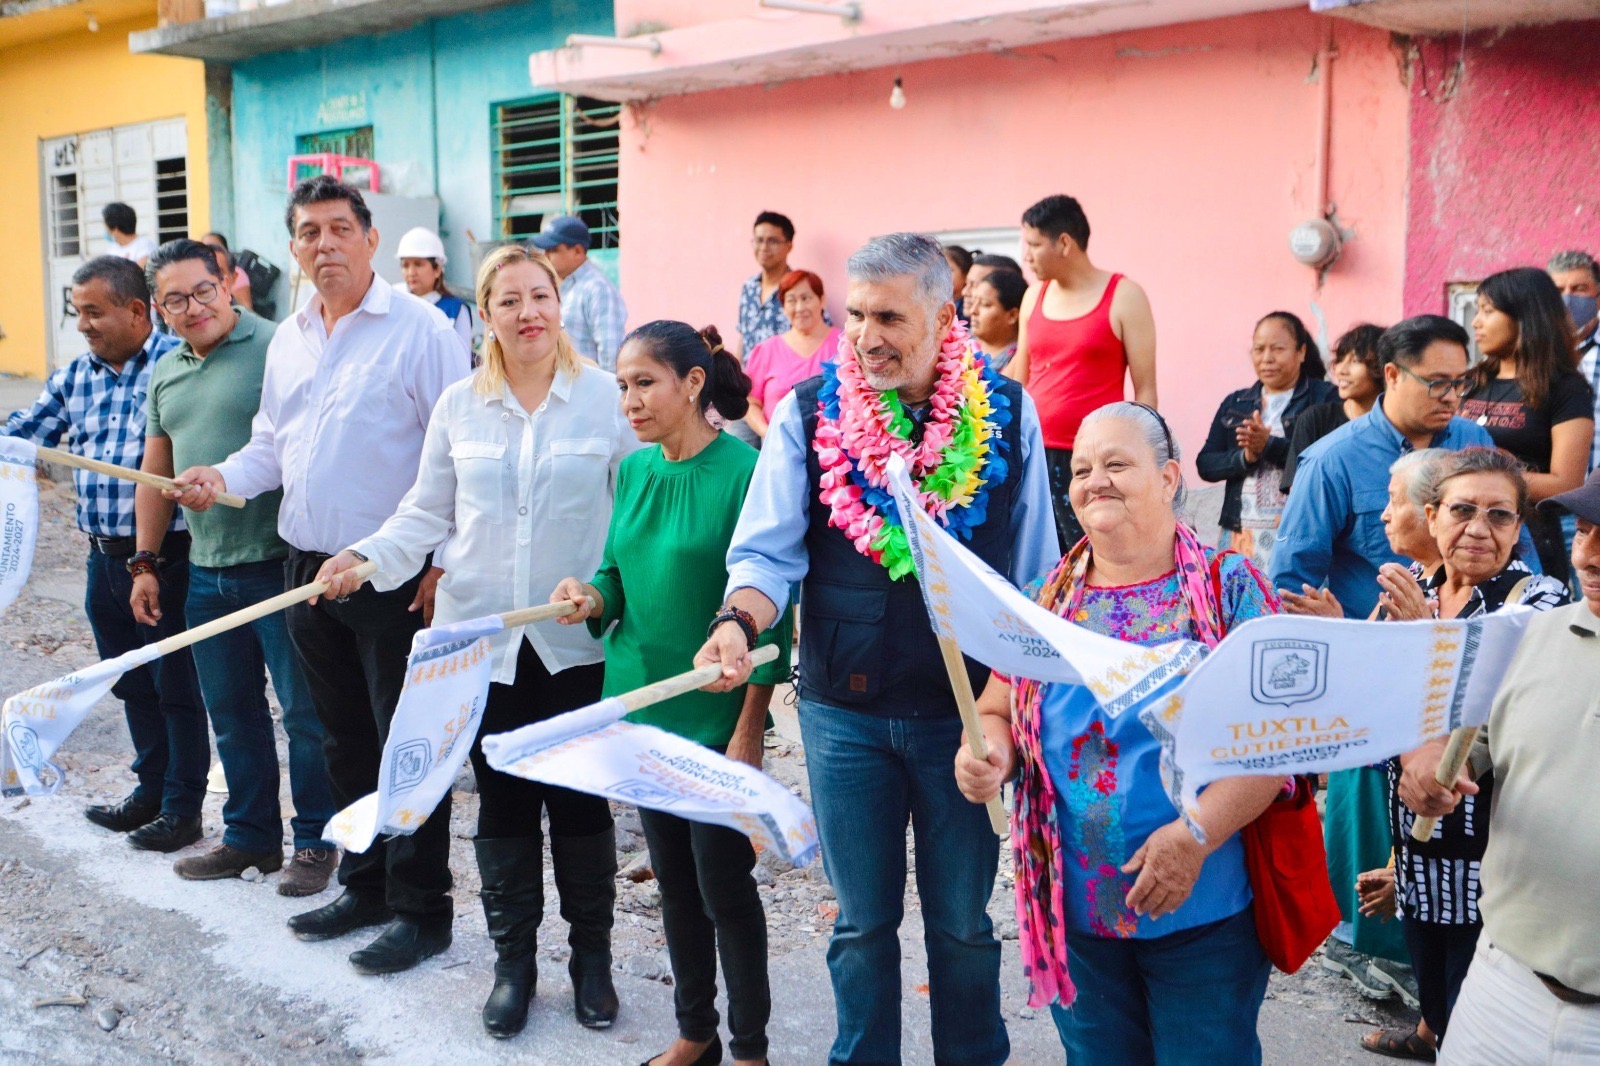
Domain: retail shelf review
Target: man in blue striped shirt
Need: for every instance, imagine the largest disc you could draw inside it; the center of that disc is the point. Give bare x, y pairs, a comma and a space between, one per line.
95, 405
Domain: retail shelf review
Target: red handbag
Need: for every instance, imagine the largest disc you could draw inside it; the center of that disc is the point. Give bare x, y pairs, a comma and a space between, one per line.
1283, 853
1295, 909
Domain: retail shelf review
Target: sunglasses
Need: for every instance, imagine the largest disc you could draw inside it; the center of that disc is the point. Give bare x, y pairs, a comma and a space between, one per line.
1498, 517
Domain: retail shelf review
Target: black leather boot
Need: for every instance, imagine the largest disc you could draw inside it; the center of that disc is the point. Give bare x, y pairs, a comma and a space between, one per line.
512, 869
586, 878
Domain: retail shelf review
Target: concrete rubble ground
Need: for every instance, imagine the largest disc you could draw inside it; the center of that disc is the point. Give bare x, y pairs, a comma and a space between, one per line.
173, 971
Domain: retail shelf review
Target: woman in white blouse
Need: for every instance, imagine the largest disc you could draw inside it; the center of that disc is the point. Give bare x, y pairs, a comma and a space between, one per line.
513, 493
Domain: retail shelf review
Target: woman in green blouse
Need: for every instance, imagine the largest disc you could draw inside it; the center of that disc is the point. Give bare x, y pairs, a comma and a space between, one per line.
661, 577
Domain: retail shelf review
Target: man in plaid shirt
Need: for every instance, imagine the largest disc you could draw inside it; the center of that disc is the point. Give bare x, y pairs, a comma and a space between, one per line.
592, 310
95, 404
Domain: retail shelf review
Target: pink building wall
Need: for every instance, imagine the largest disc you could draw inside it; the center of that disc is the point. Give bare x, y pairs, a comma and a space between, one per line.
1192, 147
1507, 169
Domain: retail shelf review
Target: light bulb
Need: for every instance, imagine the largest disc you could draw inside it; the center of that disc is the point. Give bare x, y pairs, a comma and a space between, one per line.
897, 95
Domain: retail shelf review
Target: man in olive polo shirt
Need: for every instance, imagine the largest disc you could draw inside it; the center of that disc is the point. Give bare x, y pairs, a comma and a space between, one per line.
202, 400
1532, 995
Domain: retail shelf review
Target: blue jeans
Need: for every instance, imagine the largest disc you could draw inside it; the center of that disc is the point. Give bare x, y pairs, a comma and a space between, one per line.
1185, 999
233, 680
869, 777
166, 720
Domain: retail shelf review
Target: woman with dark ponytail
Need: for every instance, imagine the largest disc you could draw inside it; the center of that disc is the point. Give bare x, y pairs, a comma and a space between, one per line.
662, 575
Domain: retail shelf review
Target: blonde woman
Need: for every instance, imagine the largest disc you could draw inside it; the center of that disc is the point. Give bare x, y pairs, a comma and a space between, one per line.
515, 492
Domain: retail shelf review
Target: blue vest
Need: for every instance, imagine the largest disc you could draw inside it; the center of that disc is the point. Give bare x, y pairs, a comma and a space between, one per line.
451, 306
867, 644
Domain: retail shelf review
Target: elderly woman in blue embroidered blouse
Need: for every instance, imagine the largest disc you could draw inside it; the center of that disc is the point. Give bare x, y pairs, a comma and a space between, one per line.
1158, 927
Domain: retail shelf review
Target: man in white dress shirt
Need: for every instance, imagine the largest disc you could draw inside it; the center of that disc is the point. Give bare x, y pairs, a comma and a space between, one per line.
350, 384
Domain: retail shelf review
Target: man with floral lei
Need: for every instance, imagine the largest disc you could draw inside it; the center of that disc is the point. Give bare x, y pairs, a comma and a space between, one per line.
877, 713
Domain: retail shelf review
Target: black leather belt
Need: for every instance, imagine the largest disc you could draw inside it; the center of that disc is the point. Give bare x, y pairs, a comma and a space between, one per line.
112, 546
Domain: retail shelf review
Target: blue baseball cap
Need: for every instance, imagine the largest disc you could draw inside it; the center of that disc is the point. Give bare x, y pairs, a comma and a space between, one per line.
562, 229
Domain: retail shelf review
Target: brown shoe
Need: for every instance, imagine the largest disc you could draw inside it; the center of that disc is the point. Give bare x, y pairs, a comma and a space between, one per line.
308, 872
224, 861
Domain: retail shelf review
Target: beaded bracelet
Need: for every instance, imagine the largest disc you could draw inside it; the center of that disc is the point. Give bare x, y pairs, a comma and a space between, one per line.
743, 619
142, 563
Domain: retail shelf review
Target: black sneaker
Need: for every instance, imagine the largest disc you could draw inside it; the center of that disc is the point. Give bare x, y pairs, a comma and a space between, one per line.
167, 833
123, 817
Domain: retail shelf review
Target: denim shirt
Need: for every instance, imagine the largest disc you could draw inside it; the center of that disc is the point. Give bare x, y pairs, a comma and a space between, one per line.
1332, 530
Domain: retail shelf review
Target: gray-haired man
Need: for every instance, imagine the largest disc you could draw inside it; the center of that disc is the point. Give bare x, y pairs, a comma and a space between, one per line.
877, 713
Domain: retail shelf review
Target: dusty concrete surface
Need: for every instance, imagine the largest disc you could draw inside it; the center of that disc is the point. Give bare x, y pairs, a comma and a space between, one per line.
207, 974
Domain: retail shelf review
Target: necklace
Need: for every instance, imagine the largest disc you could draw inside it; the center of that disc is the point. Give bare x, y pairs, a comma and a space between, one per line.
960, 456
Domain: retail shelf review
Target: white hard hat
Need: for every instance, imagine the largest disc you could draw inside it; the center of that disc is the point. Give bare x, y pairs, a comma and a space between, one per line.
421, 243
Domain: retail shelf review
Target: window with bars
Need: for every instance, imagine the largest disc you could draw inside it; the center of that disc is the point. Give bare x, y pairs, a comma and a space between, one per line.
172, 199
66, 236
556, 156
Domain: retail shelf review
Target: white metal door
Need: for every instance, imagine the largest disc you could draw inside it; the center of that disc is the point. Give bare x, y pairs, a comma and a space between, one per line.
144, 166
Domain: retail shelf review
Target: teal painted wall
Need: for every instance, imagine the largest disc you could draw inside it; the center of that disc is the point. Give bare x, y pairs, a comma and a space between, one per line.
426, 92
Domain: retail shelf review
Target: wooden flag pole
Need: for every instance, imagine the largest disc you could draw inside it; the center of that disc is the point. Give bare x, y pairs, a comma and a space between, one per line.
1455, 757
688, 681
155, 481
182, 640
541, 613
956, 667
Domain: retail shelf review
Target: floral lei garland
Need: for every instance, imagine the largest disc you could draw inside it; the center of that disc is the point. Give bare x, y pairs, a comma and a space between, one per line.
960, 457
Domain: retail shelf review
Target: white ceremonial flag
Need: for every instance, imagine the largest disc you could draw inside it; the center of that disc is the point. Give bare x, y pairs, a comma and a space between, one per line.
37, 722
1000, 627
1280, 695
430, 736
592, 750
1291, 694
19, 515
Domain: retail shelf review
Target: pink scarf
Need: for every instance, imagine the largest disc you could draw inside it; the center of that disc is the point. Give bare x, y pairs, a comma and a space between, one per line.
1035, 836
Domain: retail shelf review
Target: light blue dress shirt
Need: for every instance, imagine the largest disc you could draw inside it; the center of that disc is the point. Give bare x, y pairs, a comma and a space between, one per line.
768, 551
1332, 530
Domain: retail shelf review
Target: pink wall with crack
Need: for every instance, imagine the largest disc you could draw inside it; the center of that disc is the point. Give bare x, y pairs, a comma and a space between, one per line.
1192, 148
1506, 169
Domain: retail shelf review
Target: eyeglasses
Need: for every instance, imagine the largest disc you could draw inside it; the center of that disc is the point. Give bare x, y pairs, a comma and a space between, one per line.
1498, 517
178, 302
1438, 390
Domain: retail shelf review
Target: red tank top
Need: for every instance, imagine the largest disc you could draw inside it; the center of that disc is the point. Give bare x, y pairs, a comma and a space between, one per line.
1075, 365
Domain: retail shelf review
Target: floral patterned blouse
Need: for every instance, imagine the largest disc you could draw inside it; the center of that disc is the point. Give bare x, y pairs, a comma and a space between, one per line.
1107, 775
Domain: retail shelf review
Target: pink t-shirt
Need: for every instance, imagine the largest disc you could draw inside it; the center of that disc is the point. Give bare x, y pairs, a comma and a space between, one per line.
775, 368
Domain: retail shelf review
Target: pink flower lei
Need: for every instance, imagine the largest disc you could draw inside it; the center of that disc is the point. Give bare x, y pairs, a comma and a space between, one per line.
861, 439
